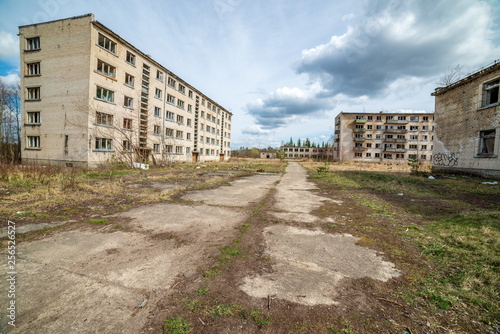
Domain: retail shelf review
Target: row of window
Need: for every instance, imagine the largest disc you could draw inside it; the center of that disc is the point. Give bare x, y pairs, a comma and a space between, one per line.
109, 45
398, 156
389, 137
397, 146
300, 150
399, 118
391, 127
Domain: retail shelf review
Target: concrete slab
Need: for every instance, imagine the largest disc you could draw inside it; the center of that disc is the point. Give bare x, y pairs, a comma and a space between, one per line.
241, 192
310, 264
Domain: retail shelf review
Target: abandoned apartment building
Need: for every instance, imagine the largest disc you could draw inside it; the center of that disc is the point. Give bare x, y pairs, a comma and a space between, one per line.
89, 97
306, 152
388, 137
468, 124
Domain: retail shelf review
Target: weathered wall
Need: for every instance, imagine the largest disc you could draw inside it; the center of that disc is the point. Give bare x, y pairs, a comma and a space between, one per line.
459, 117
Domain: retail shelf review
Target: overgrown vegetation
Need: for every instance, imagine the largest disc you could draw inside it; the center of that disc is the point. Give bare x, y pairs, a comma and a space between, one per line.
457, 231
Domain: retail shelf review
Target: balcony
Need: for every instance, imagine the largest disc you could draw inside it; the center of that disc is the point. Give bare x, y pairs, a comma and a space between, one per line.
395, 130
396, 121
395, 150
359, 149
362, 130
394, 140
359, 139
360, 121
337, 131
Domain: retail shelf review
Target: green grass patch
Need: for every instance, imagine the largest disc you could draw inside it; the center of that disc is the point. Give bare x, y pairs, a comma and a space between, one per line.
98, 221
176, 325
467, 250
260, 318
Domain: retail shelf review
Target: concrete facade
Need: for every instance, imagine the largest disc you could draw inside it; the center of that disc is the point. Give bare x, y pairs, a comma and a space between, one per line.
304, 152
468, 124
388, 137
90, 97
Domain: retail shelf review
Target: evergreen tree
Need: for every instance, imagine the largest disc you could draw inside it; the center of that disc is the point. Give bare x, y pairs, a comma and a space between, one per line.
298, 143
308, 142
291, 142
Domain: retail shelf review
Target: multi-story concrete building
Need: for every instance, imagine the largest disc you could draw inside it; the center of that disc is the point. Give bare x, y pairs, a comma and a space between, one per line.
468, 124
305, 152
383, 136
89, 97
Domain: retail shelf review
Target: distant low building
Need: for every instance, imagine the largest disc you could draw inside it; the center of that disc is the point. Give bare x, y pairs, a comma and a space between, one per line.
268, 155
388, 137
305, 152
468, 124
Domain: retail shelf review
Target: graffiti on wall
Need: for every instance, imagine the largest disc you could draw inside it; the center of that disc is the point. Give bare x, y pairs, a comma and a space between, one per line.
445, 160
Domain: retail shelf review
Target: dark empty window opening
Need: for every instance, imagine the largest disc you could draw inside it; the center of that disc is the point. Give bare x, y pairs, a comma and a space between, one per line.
486, 142
491, 90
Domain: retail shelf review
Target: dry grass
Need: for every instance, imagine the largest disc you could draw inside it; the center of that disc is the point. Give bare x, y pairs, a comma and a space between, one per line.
401, 167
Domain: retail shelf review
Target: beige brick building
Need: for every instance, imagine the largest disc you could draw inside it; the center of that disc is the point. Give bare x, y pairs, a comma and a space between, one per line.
468, 124
89, 97
388, 137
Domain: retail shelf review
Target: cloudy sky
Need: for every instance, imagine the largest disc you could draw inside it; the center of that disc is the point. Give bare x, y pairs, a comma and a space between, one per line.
286, 68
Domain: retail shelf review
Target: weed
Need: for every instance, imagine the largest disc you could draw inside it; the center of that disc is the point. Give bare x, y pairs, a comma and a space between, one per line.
244, 228
98, 221
259, 318
202, 291
62, 217
117, 227
176, 325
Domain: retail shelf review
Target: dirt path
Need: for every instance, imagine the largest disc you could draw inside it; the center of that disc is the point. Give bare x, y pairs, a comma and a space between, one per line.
93, 281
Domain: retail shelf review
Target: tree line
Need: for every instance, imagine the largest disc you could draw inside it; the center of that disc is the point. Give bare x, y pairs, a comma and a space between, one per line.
10, 122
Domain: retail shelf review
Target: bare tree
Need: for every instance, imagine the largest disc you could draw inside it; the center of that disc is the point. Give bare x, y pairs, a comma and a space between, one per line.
10, 129
453, 75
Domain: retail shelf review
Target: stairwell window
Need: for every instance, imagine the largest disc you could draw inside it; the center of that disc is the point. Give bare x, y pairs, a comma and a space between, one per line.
127, 123
171, 82
128, 102
106, 43
159, 75
491, 92
157, 130
170, 99
157, 112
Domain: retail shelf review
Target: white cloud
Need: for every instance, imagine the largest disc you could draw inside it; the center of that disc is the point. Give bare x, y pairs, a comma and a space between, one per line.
9, 45
10, 79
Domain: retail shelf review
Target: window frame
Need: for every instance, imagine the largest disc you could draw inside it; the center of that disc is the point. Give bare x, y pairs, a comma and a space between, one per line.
488, 87
33, 142
33, 65
31, 113
106, 40
30, 46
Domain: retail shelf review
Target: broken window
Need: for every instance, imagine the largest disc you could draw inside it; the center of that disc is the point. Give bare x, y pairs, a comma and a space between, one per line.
158, 93
402, 118
188, 122
180, 104
126, 145
178, 149
179, 134
106, 43
171, 82
413, 147
423, 157
33, 69
413, 128
190, 108
157, 112
182, 89
34, 117
487, 142
104, 119
33, 141
104, 94
414, 118
190, 94
387, 156
129, 80
156, 148
368, 155
188, 136
159, 75
105, 68
424, 147
425, 118
33, 43
169, 149
188, 150
377, 155
127, 123
358, 155
170, 99
33, 94
370, 118
490, 93
180, 119
157, 130
379, 118
169, 132
128, 102
130, 58
103, 144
